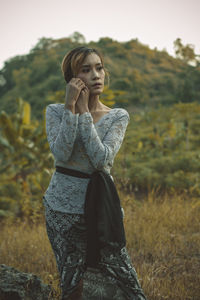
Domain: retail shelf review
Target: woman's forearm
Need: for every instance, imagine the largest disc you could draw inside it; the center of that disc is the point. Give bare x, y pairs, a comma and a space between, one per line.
70, 107
61, 131
102, 153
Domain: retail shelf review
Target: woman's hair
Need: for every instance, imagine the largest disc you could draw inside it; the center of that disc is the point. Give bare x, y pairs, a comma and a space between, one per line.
73, 60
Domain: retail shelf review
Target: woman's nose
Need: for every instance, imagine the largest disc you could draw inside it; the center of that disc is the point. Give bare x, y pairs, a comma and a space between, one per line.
95, 74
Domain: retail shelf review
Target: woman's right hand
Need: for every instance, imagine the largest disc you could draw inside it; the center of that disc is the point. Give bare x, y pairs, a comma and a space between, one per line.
73, 90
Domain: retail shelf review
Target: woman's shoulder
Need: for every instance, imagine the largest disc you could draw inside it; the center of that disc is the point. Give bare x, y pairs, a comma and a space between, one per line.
55, 107
120, 113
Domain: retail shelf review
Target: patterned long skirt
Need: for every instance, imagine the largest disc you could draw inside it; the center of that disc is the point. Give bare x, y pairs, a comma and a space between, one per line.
67, 235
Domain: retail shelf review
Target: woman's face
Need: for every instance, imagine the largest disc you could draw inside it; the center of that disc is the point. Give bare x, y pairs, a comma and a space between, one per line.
92, 74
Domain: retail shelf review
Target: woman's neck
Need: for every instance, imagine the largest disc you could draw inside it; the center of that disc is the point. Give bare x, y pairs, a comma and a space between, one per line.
94, 103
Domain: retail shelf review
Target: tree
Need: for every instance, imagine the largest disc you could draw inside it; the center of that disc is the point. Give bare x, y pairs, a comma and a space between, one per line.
77, 37
186, 53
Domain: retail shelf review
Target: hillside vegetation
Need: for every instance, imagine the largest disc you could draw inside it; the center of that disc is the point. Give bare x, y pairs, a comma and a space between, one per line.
144, 76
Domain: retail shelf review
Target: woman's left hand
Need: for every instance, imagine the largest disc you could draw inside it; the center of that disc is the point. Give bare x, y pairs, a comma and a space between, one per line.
83, 100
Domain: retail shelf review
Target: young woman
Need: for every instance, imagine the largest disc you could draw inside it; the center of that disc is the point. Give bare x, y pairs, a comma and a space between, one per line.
83, 213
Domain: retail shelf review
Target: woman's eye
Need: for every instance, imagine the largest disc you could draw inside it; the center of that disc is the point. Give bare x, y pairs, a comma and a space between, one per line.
88, 70
100, 68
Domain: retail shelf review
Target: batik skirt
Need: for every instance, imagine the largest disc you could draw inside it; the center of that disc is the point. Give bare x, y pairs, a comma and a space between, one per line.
67, 236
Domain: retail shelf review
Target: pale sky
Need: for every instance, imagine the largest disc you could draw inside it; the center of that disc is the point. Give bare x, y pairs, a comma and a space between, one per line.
156, 23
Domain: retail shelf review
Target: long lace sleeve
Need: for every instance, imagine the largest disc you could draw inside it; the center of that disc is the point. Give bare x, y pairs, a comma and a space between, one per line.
61, 128
102, 153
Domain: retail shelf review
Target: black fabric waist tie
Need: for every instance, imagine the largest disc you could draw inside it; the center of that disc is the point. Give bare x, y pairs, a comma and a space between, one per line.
103, 214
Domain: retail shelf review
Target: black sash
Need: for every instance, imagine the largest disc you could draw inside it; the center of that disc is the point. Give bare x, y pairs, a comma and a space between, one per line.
103, 214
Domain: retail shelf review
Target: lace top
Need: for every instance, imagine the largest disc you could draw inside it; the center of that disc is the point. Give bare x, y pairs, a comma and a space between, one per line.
77, 143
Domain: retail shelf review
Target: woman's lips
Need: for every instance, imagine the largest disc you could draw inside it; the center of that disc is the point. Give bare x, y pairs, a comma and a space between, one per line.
97, 85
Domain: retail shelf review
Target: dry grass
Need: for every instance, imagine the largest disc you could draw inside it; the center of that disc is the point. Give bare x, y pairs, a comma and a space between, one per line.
163, 239
164, 242
27, 248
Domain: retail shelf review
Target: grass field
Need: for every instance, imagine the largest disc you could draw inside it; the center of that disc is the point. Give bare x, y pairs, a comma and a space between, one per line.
163, 239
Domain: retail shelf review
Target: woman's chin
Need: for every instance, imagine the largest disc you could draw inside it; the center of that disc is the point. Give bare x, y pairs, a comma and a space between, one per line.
95, 93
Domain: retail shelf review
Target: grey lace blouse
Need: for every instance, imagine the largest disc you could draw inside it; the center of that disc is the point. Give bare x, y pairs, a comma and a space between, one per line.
77, 143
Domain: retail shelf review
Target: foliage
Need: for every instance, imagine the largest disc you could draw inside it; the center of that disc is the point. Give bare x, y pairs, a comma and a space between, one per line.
25, 162
160, 151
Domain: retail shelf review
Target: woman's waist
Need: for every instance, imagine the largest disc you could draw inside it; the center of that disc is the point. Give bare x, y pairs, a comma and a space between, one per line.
80, 167
76, 166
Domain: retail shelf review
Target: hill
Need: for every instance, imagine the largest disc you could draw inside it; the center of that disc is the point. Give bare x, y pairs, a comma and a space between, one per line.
147, 77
